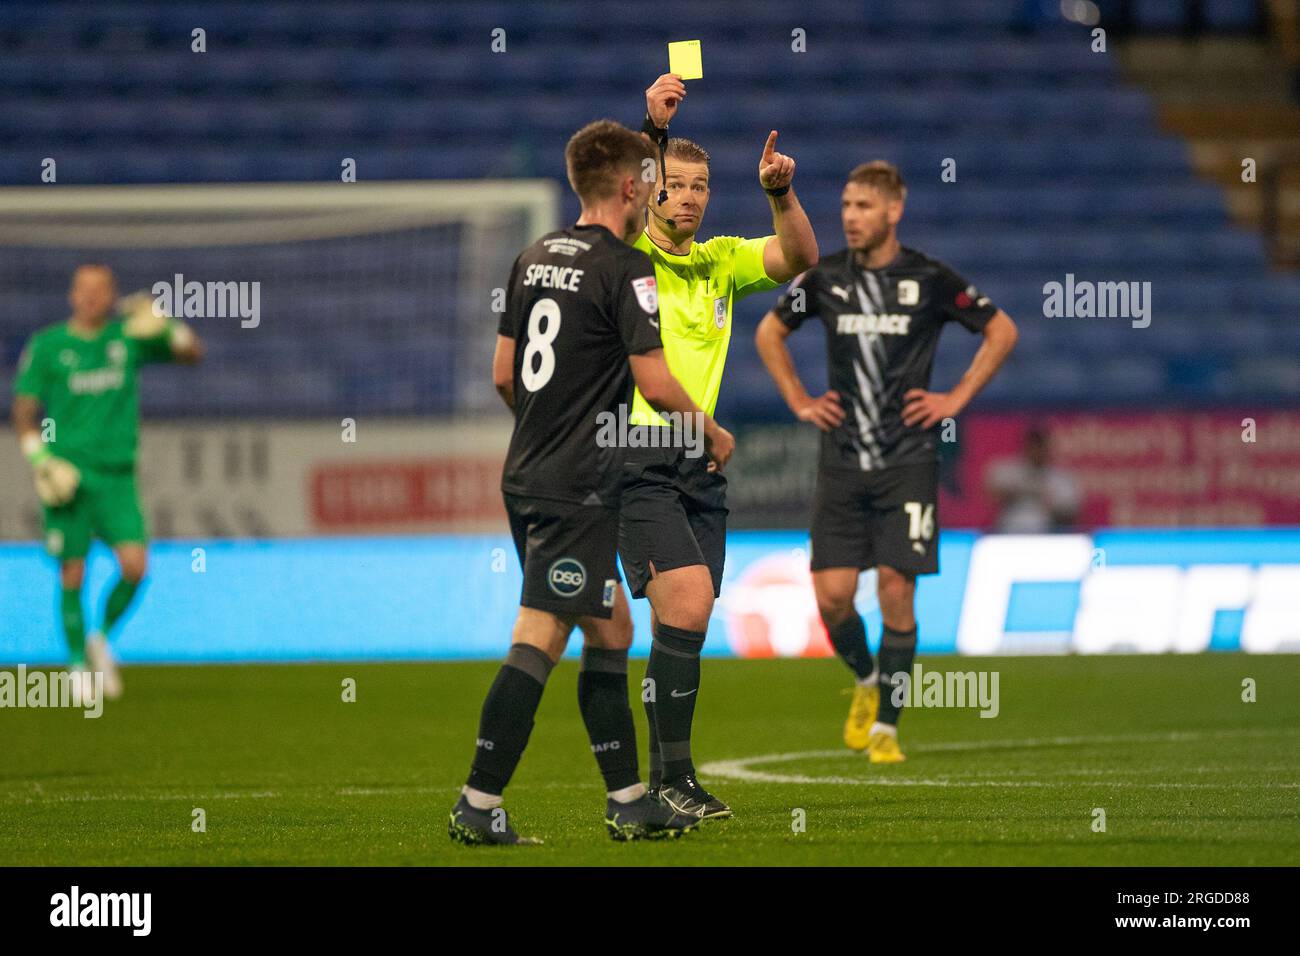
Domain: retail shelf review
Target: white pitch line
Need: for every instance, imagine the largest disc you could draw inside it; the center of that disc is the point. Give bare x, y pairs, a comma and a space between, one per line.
741, 769
40, 796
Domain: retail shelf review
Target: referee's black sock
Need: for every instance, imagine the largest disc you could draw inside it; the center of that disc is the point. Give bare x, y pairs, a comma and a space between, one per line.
897, 650
656, 758
602, 698
675, 669
849, 638
507, 717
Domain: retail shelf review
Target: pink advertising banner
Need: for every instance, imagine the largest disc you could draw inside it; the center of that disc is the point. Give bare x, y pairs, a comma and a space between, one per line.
1134, 469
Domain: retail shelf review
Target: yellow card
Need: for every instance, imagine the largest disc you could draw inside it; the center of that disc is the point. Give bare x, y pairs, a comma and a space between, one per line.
684, 59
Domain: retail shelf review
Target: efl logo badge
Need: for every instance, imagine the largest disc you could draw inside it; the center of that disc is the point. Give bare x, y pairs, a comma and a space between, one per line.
647, 293
909, 293
720, 312
567, 577
607, 598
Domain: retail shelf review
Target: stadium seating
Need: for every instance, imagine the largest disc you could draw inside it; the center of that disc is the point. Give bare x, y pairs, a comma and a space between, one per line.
1061, 167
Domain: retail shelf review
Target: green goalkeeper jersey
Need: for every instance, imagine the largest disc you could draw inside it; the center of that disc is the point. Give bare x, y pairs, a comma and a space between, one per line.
89, 390
696, 293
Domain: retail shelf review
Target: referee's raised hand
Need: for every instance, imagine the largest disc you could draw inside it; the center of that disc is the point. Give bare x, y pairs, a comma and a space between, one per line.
663, 97
774, 169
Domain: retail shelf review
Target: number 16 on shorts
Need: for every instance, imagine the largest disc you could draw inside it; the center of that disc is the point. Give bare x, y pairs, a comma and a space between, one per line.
920, 520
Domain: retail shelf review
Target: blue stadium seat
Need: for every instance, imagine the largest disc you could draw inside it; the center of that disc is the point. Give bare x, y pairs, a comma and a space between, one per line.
1061, 167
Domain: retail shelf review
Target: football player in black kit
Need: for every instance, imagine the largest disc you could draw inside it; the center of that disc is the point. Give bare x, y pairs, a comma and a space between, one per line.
883, 307
581, 325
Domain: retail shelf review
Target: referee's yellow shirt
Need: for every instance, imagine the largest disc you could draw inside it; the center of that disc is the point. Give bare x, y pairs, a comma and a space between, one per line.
696, 292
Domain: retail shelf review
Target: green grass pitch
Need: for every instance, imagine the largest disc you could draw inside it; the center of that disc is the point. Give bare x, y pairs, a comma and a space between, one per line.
288, 773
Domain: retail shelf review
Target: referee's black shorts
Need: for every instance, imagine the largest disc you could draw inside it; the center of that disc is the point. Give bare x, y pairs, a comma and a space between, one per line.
568, 553
863, 519
674, 515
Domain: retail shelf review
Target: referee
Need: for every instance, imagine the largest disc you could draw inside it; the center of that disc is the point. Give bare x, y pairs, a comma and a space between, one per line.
672, 530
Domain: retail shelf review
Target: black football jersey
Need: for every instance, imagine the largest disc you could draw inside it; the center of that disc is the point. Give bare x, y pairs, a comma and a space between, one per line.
580, 301
882, 329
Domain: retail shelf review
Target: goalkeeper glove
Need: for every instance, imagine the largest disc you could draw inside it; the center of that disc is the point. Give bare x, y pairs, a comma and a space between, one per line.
144, 321
56, 478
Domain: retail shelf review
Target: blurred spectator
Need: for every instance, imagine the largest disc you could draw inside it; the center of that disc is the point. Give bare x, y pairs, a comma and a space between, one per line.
1033, 496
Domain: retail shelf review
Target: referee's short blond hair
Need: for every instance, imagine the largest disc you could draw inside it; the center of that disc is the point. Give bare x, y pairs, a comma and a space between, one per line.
882, 176
688, 151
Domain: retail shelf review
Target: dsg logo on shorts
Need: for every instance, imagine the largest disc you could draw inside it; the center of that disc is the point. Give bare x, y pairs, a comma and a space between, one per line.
566, 577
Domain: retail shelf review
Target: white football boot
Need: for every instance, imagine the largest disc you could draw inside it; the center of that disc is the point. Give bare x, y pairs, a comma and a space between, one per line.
101, 659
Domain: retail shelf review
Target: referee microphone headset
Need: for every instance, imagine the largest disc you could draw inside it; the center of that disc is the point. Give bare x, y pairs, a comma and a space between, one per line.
660, 138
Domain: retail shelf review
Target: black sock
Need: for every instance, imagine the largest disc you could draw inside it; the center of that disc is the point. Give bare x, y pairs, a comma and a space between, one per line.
507, 717
656, 758
897, 649
849, 638
675, 669
602, 698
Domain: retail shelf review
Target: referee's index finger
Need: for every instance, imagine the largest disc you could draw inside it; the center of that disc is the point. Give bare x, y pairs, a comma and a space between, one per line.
771, 145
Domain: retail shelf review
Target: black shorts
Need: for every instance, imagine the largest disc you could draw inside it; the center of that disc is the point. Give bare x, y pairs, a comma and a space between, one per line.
568, 553
674, 515
863, 519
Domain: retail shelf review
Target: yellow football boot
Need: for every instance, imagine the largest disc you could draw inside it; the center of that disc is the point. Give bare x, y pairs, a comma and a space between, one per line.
862, 714
883, 748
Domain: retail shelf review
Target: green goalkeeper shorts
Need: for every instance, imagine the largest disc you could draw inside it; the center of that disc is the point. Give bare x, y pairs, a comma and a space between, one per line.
106, 506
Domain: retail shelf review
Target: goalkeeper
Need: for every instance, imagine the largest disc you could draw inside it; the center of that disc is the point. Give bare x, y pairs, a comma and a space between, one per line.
82, 373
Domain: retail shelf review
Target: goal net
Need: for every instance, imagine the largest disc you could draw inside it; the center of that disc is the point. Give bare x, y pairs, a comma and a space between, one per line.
315, 300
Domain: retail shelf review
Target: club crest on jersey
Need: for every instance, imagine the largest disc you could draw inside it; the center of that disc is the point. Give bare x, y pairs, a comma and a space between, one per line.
909, 292
566, 577
647, 293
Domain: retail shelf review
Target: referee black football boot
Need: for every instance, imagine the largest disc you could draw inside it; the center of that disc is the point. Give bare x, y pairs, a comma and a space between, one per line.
475, 827
685, 795
646, 818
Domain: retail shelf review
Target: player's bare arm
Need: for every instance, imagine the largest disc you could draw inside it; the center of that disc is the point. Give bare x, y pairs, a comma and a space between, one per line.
823, 411
924, 409
26, 417
56, 478
665, 394
793, 248
503, 370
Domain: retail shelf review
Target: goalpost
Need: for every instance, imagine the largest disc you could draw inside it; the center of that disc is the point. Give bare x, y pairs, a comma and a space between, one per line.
374, 297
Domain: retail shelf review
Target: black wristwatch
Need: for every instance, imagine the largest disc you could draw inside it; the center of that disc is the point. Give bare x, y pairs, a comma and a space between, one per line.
779, 191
